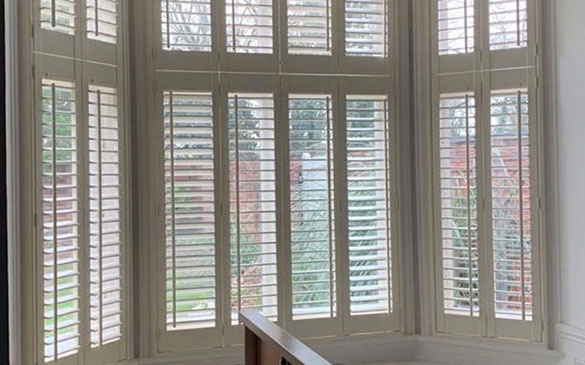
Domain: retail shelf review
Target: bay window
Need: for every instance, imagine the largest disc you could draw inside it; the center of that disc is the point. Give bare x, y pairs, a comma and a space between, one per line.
270, 134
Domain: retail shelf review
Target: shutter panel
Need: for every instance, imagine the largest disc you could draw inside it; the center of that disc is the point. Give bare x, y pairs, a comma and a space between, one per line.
511, 208
456, 26
186, 25
458, 189
252, 204
249, 26
102, 20
368, 188
105, 226
190, 210
366, 28
60, 206
312, 208
309, 27
58, 15
508, 24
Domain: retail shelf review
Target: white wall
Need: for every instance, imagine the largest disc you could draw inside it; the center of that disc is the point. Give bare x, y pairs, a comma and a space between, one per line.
570, 95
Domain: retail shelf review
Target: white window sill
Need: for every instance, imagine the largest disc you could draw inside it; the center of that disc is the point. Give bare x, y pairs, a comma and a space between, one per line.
390, 349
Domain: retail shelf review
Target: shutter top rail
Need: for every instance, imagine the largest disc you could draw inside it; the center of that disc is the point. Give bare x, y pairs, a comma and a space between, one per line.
288, 346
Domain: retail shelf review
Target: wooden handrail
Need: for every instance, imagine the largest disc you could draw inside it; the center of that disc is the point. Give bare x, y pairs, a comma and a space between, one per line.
266, 343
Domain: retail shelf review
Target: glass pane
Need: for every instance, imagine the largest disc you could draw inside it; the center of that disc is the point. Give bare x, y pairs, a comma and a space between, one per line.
456, 26
249, 26
368, 173
186, 25
511, 204
311, 206
252, 204
60, 189
102, 20
458, 178
105, 227
190, 210
508, 24
309, 27
366, 28
58, 15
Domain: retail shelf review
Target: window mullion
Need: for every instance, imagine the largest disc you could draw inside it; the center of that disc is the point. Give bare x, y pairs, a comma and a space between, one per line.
341, 204
224, 183
284, 268
220, 208
85, 206
485, 221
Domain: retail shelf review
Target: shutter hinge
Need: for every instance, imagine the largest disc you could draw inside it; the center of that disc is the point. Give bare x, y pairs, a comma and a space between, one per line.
536, 50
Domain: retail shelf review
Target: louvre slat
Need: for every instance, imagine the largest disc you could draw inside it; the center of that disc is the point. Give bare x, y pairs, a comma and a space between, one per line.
252, 204
366, 28
367, 145
508, 24
309, 27
60, 226
456, 26
249, 26
190, 209
58, 15
186, 26
511, 207
102, 22
459, 205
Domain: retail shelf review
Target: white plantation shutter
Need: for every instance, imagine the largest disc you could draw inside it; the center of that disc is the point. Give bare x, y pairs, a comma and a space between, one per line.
58, 15
458, 189
309, 27
456, 26
508, 20
252, 190
77, 283
249, 26
253, 236
60, 221
186, 25
366, 28
368, 166
487, 220
190, 210
102, 20
511, 216
312, 207
105, 211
